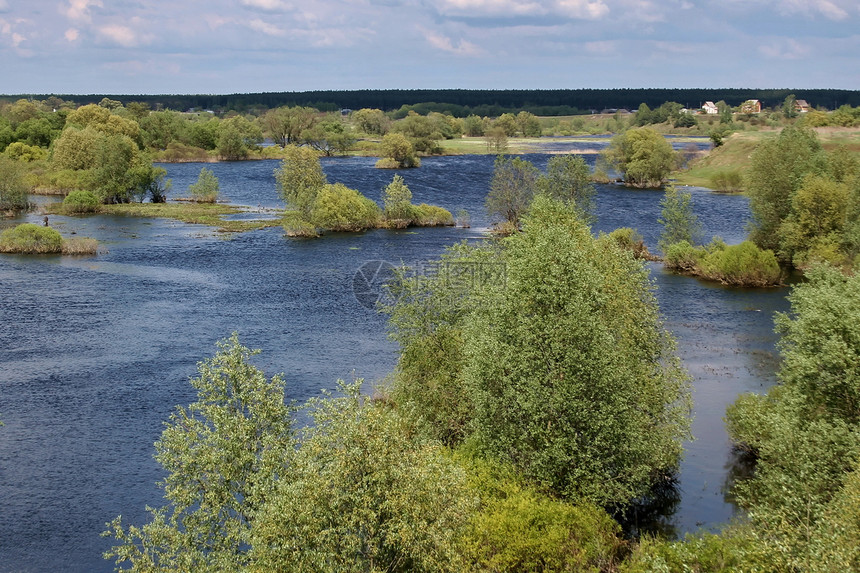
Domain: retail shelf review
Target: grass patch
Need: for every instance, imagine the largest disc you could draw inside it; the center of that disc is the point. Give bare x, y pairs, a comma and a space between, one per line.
196, 213
735, 154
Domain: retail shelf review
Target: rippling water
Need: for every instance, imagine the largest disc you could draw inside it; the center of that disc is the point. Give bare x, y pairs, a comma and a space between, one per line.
95, 352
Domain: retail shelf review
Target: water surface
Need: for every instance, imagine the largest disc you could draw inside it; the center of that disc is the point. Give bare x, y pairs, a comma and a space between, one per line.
95, 352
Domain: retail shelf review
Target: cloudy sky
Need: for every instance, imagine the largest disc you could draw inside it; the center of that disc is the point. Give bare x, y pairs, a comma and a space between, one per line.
230, 46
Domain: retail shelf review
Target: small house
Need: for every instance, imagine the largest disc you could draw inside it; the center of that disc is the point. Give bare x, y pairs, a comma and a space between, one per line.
751, 106
710, 108
801, 106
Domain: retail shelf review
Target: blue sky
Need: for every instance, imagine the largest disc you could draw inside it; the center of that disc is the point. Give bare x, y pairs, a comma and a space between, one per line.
230, 46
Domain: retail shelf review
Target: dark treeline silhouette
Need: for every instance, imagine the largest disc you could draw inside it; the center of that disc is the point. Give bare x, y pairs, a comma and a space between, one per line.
460, 102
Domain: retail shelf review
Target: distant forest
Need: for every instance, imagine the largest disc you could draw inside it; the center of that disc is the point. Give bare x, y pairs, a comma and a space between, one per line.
462, 103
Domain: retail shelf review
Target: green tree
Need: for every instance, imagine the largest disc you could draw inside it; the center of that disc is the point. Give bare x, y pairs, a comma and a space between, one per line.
643, 157
206, 189
572, 377
13, 189
397, 200
222, 455
568, 179
300, 178
679, 221
397, 152
496, 140
363, 493
339, 208
473, 126
818, 212
329, 136
529, 124
371, 121
236, 137
423, 133
508, 123
778, 169
512, 188
789, 108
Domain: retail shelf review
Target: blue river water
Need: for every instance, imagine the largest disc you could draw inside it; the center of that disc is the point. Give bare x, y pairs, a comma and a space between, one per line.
95, 352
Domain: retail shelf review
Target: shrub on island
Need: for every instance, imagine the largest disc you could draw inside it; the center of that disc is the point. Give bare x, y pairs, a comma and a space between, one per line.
81, 202
31, 239
743, 265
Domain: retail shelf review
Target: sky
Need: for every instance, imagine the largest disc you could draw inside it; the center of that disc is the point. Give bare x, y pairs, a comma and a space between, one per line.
246, 46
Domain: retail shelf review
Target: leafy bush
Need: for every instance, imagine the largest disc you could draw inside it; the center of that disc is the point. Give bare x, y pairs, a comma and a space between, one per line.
81, 202
28, 238
179, 152
730, 181
742, 265
206, 189
630, 240
339, 208
567, 360
397, 152
432, 216
297, 226
13, 188
683, 256
519, 529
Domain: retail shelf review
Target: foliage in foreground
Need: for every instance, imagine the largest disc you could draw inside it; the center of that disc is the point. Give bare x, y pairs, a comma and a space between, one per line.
805, 433
540, 361
357, 490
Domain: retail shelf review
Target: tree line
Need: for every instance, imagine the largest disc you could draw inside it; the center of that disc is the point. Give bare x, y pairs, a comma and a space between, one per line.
461, 102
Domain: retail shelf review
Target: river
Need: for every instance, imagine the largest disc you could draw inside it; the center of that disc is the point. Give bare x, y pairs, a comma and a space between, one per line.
96, 351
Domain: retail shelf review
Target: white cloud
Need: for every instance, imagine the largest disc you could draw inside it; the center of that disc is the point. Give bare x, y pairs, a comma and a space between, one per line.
825, 7
444, 43
266, 28
267, 5
601, 48
4, 5
80, 9
72, 34
17, 39
785, 49
122, 35
588, 9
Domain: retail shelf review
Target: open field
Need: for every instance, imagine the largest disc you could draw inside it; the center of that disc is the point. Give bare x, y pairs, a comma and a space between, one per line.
737, 149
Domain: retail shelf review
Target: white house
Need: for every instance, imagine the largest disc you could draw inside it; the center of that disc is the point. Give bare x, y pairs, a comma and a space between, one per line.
710, 108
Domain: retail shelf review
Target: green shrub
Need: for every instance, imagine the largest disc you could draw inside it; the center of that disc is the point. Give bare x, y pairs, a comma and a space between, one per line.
728, 181
519, 529
432, 215
387, 163
742, 265
296, 226
30, 239
684, 257
81, 202
206, 189
630, 240
339, 208
13, 187
178, 152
